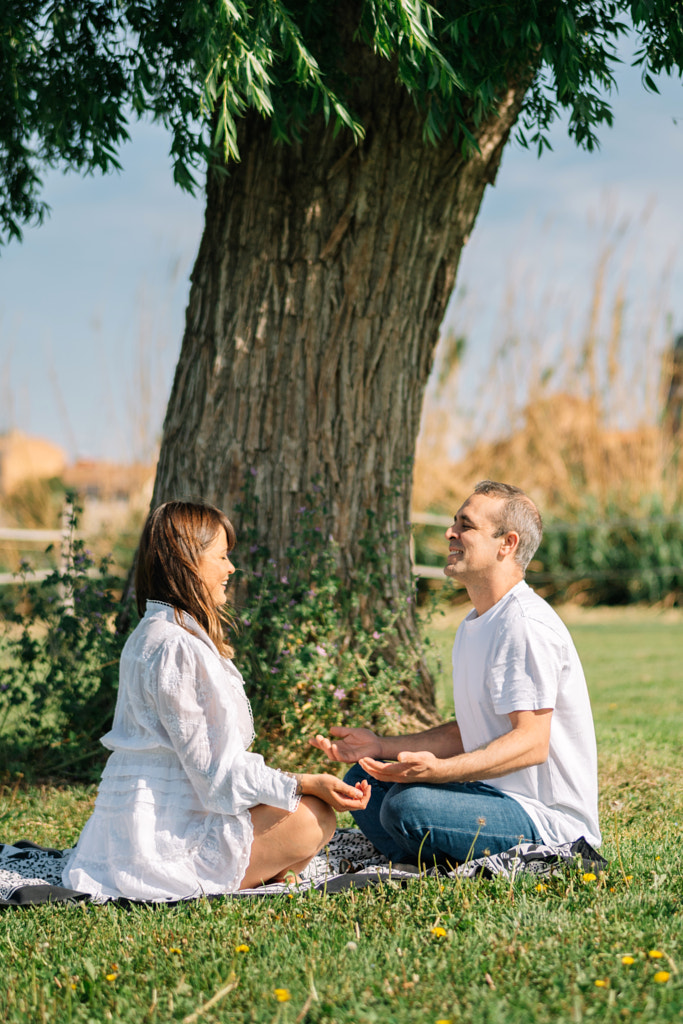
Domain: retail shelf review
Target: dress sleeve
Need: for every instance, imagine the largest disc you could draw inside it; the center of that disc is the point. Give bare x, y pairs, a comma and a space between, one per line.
196, 708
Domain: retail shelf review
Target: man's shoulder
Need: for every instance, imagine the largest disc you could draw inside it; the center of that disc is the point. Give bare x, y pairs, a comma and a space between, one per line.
525, 605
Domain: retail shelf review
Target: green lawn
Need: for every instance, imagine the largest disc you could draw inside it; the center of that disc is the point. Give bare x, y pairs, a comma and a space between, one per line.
508, 954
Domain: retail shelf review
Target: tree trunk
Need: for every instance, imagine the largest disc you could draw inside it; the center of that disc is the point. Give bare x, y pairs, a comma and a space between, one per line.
321, 281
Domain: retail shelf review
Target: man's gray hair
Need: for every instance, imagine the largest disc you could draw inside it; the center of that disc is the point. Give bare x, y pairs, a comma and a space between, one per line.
518, 514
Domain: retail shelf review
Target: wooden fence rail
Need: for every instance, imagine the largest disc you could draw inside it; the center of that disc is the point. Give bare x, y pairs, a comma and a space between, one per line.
64, 537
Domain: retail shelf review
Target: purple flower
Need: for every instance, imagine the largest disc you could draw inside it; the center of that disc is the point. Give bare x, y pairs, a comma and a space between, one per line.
273, 671
302, 509
339, 693
252, 470
286, 625
321, 650
253, 549
376, 635
246, 622
283, 579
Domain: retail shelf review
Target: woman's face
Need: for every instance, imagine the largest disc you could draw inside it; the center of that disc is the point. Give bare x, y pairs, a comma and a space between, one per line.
215, 568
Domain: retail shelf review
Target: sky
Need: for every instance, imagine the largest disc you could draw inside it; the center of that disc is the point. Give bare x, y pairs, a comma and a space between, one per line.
92, 303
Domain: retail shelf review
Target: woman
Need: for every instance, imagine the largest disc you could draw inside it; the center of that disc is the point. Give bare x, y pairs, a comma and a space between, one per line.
184, 808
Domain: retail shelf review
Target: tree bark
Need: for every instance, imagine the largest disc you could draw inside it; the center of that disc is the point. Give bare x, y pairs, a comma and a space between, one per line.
321, 282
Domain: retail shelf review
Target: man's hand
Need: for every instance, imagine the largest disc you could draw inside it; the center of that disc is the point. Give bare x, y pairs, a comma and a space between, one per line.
525, 744
336, 793
411, 766
350, 744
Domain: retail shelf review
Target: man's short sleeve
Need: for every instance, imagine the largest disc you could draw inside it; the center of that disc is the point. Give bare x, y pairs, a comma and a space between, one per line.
526, 667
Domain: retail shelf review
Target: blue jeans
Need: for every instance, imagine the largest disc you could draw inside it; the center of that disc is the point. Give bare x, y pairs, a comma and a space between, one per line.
448, 823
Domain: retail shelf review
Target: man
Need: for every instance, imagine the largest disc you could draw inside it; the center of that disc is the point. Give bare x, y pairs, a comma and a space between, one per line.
519, 762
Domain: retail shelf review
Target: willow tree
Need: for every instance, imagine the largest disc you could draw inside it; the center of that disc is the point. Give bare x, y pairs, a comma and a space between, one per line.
349, 146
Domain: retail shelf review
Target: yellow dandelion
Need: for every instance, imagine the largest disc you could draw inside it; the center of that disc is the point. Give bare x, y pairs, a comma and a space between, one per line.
111, 977
628, 960
655, 954
282, 995
438, 932
541, 887
601, 983
73, 985
589, 876
444, 1020
174, 949
661, 977
242, 948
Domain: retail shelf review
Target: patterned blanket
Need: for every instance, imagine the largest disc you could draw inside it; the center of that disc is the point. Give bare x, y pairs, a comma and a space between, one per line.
31, 874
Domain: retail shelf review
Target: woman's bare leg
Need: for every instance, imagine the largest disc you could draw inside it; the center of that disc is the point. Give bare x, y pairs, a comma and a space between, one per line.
286, 841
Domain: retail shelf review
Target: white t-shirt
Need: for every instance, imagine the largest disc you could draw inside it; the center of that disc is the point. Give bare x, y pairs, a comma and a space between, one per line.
519, 656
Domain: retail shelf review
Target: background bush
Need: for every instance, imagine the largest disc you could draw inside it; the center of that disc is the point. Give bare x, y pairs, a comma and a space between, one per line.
610, 557
314, 652
59, 655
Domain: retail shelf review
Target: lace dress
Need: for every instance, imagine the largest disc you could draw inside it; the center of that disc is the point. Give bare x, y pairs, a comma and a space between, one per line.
171, 819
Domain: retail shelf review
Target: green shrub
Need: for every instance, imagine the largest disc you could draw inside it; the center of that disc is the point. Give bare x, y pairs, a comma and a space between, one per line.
315, 650
610, 556
622, 558
59, 654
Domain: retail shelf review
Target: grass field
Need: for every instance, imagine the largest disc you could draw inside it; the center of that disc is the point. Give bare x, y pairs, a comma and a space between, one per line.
574, 949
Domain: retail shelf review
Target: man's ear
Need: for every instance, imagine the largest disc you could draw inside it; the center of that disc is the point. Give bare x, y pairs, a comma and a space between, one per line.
509, 543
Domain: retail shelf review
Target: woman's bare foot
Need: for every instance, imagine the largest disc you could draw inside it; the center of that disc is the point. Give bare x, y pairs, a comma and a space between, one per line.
290, 877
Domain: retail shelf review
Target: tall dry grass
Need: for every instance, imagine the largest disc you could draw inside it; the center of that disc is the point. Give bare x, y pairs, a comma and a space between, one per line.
576, 415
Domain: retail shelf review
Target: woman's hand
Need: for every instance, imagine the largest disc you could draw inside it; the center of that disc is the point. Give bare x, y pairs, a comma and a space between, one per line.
350, 744
336, 793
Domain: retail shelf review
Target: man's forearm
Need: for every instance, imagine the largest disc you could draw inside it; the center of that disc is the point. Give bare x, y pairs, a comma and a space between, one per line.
522, 747
442, 741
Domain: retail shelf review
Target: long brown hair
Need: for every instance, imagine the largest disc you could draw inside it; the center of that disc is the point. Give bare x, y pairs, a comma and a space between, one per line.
173, 541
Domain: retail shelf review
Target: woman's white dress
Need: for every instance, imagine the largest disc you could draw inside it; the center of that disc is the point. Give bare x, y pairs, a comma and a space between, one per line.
171, 819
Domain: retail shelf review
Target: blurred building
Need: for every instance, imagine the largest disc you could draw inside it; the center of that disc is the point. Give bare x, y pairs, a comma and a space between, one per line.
109, 491
24, 458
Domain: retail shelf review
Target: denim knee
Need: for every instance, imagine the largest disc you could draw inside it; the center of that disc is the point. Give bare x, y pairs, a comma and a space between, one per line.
356, 774
402, 812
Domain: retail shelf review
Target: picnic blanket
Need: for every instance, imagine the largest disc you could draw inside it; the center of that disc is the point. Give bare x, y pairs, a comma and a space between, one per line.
32, 874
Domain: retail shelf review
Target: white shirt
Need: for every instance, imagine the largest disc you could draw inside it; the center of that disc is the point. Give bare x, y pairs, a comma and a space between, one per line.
172, 818
519, 656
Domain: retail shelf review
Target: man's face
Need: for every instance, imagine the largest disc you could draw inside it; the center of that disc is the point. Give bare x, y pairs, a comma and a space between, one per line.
473, 548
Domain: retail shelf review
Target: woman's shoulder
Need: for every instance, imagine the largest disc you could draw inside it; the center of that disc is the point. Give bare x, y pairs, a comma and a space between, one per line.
160, 634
